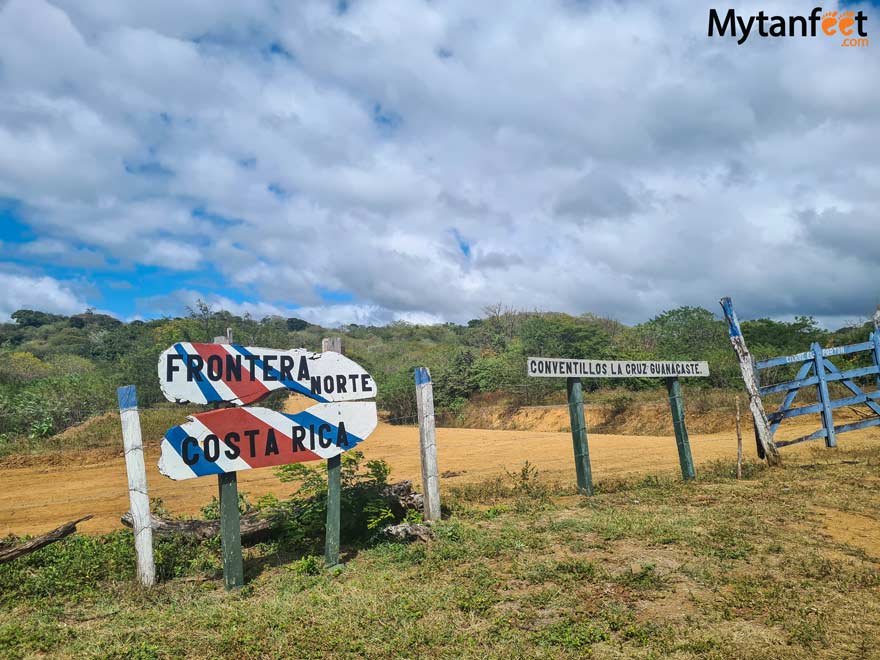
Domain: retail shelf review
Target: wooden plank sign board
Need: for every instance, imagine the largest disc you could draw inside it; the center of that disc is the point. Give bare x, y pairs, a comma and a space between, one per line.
565, 368
234, 439
205, 373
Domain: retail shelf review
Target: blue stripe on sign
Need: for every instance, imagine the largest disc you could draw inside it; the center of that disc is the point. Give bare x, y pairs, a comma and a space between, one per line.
307, 419
289, 384
203, 467
207, 389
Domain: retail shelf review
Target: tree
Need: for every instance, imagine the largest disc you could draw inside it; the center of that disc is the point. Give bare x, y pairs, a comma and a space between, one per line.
685, 333
294, 324
34, 319
561, 335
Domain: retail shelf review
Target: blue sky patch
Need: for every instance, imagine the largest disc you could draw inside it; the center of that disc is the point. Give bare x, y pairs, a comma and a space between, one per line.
463, 245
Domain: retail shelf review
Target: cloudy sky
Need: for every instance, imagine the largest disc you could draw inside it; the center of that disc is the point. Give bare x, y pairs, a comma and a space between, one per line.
360, 161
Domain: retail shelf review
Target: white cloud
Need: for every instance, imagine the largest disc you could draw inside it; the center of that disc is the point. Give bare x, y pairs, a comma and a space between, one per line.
21, 291
602, 156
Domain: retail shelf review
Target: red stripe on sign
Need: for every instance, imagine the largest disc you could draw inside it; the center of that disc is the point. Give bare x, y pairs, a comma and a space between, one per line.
254, 438
247, 389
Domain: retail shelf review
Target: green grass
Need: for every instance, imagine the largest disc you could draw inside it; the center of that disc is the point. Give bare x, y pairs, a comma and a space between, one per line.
651, 568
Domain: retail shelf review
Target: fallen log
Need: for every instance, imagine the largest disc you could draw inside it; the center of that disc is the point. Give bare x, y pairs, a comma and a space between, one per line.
8, 552
258, 524
253, 525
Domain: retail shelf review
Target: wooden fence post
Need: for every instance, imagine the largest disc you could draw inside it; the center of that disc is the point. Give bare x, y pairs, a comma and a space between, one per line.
230, 517
739, 442
428, 443
579, 436
139, 500
673, 387
747, 368
334, 485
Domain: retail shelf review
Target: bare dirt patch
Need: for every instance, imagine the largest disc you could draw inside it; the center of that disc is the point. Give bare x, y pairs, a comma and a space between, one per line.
851, 529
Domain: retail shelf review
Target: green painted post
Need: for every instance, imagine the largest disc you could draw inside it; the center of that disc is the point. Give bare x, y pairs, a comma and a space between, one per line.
230, 531
579, 436
334, 492
673, 386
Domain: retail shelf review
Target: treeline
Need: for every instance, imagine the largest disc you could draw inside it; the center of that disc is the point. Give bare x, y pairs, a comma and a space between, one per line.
56, 371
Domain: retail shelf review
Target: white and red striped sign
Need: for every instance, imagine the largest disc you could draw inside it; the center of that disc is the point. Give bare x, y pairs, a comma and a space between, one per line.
233, 439
203, 373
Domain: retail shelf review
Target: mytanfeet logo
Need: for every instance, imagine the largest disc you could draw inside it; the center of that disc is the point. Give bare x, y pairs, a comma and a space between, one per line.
849, 26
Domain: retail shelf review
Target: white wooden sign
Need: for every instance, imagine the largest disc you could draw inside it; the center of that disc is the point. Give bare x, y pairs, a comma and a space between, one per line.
203, 373
566, 368
234, 439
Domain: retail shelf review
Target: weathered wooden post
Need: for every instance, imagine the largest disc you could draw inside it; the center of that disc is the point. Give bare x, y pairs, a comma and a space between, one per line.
139, 500
230, 517
334, 485
673, 387
739, 441
579, 436
747, 368
428, 443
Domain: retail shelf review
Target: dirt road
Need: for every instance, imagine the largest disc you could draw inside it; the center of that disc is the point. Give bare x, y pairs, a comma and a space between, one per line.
40, 495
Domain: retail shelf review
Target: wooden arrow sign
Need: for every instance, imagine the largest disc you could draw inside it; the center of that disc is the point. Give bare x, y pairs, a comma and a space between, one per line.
233, 439
202, 373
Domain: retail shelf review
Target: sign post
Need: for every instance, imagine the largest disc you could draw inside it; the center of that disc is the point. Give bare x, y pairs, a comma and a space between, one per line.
673, 386
574, 370
334, 485
579, 436
230, 530
230, 517
334, 511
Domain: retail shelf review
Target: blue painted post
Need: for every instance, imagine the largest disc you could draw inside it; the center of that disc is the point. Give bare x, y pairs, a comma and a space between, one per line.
763, 435
428, 443
824, 397
139, 500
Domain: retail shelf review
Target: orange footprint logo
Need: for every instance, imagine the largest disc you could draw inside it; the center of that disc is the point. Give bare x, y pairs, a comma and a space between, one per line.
829, 23
847, 19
